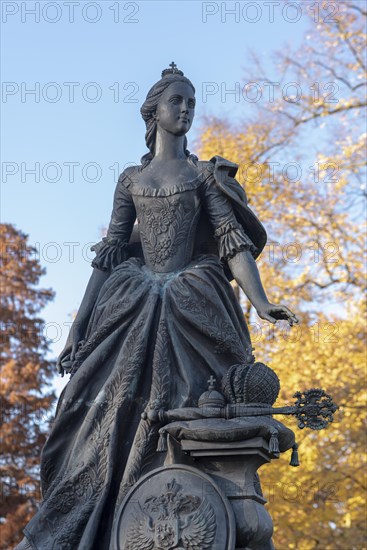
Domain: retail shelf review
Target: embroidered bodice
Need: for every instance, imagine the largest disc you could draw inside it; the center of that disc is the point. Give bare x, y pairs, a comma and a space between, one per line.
167, 228
168, 220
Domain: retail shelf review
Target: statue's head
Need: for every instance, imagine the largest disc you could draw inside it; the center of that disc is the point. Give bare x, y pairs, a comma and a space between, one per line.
164, 106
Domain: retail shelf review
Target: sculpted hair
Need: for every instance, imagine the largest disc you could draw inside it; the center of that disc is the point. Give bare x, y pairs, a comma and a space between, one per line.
148, 110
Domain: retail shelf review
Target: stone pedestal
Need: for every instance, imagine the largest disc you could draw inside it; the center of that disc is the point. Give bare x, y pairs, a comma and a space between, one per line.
233, 466
208, 494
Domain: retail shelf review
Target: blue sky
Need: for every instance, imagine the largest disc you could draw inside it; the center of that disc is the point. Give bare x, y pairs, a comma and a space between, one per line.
82, 125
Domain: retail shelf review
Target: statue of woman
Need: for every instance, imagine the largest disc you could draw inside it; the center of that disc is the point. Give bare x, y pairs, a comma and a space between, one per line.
158, 318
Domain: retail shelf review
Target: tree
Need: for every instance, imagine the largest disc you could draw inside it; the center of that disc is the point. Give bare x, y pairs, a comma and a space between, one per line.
321, 504
302, 162
25, 376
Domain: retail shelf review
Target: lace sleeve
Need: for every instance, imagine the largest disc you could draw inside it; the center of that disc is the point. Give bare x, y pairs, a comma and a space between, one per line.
113, 249
227, 230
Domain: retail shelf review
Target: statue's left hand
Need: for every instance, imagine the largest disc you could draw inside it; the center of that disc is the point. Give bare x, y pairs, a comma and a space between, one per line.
273, 313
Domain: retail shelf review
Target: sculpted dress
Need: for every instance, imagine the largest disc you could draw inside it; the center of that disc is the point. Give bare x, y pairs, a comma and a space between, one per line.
161, 326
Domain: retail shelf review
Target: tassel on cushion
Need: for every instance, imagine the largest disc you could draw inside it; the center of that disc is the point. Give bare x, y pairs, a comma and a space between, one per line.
274, 443
162, 442
294, 458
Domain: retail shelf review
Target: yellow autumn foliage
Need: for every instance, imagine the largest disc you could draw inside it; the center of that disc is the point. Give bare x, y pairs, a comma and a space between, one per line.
303, 166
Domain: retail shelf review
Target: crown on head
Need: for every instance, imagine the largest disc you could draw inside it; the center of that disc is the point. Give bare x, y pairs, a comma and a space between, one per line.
173, 70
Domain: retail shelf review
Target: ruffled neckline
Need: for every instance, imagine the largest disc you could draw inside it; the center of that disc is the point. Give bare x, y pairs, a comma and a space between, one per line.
143, 190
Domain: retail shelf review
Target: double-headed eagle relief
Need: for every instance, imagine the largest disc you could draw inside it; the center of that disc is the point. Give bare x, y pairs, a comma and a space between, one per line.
173, 520
176, 507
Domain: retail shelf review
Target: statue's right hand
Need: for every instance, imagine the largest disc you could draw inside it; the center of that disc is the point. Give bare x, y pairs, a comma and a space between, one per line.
64, 360
67, 356
60, 358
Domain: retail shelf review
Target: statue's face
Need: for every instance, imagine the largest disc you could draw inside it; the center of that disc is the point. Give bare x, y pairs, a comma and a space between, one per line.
176, 108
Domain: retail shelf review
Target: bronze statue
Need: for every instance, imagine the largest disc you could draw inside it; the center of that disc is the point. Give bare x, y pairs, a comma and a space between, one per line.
158, 319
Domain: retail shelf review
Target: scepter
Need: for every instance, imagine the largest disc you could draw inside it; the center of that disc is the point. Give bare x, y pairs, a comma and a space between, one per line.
313, 408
